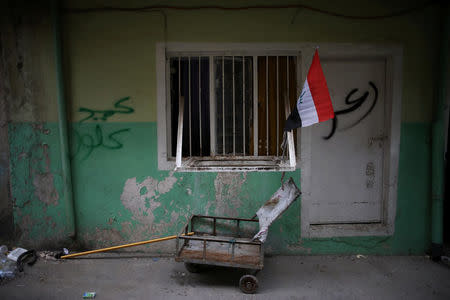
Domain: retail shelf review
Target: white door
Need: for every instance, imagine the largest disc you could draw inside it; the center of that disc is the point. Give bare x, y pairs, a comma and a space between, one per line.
346, 170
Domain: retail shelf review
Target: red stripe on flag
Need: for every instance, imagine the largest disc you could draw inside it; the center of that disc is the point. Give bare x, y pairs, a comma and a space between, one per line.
319, 90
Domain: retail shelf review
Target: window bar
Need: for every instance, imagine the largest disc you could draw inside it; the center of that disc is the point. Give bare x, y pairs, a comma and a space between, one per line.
190, 107
179, 84
200, 101
287, 100
234, 114
255, 105
169, 105
212, 106
290, 135
179, 77
278, 112
223, 105
243, 103
180, 132
267, 105
287, 80
180, 119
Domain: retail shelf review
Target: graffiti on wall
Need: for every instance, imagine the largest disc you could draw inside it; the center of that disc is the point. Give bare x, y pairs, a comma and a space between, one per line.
103, 115
87, 142
355, 105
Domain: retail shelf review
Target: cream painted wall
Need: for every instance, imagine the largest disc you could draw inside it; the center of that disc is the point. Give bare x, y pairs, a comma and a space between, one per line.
110, 55
29, 56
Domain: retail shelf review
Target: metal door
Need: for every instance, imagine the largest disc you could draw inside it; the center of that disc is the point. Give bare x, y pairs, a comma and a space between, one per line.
347, 164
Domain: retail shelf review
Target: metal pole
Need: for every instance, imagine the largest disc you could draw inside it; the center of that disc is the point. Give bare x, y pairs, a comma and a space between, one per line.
438, 145
124, 246
62, 124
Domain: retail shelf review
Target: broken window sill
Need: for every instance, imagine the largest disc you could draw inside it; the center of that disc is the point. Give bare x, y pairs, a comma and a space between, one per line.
235, 164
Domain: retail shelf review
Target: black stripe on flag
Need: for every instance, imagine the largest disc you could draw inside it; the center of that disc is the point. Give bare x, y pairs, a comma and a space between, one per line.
293, 121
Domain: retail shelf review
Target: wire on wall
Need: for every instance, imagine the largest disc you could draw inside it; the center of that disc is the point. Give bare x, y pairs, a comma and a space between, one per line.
234, 8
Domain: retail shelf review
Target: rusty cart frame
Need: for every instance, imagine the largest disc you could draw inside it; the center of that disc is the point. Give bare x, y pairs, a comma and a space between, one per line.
235, 249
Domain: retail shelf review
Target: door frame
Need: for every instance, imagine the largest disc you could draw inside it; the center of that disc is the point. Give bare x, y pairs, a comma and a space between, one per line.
393, 55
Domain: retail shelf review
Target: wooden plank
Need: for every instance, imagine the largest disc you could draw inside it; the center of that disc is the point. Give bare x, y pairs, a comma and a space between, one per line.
221, 252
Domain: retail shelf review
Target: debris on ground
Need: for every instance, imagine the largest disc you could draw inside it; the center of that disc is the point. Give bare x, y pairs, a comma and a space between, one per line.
8, 267
53, 255
14, 255
360, 256
89, 295
30, 256
48, 255
13, 262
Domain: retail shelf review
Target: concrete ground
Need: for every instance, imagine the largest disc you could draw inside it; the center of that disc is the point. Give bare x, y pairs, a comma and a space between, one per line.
123, 276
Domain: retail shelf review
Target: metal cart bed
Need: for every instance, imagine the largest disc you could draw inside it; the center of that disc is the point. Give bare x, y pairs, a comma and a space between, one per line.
222, 241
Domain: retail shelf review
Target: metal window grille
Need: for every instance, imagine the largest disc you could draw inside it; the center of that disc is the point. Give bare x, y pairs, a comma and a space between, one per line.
230, 106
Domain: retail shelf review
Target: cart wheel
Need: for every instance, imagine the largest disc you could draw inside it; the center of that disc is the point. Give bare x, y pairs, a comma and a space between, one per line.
248, 284
193, 268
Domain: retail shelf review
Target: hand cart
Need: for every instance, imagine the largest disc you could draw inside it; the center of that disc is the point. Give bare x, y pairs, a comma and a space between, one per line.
222, 241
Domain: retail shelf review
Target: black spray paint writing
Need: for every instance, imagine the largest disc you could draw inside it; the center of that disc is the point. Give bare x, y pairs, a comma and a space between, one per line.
356, 103
103, 115
88, 142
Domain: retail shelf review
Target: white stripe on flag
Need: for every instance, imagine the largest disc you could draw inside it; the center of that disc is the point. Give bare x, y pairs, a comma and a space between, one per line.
306, 108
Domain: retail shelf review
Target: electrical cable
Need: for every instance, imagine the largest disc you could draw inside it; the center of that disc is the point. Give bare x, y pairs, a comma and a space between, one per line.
235, 8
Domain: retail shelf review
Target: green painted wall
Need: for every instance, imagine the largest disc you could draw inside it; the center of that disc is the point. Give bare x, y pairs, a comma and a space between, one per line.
121, 196
36, 183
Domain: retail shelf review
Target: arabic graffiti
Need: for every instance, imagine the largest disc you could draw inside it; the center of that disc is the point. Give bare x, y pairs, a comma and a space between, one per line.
105, 114
85, 144
356, 103
89, 142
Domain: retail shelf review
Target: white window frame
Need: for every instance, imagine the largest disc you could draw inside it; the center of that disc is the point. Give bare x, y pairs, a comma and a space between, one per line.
216, 163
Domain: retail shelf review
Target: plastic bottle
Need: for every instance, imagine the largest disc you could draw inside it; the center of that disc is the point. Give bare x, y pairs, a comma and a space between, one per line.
8, 268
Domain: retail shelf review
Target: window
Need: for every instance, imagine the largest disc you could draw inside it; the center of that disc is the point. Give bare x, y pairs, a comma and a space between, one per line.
225, 110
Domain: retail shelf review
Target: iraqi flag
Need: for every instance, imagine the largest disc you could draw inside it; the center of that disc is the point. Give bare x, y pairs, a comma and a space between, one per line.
314, 104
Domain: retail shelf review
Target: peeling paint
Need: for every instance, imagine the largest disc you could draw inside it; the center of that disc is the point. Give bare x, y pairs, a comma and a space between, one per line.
139, 202
43, 180
36, 184
44, 188
228, 188
140, 198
